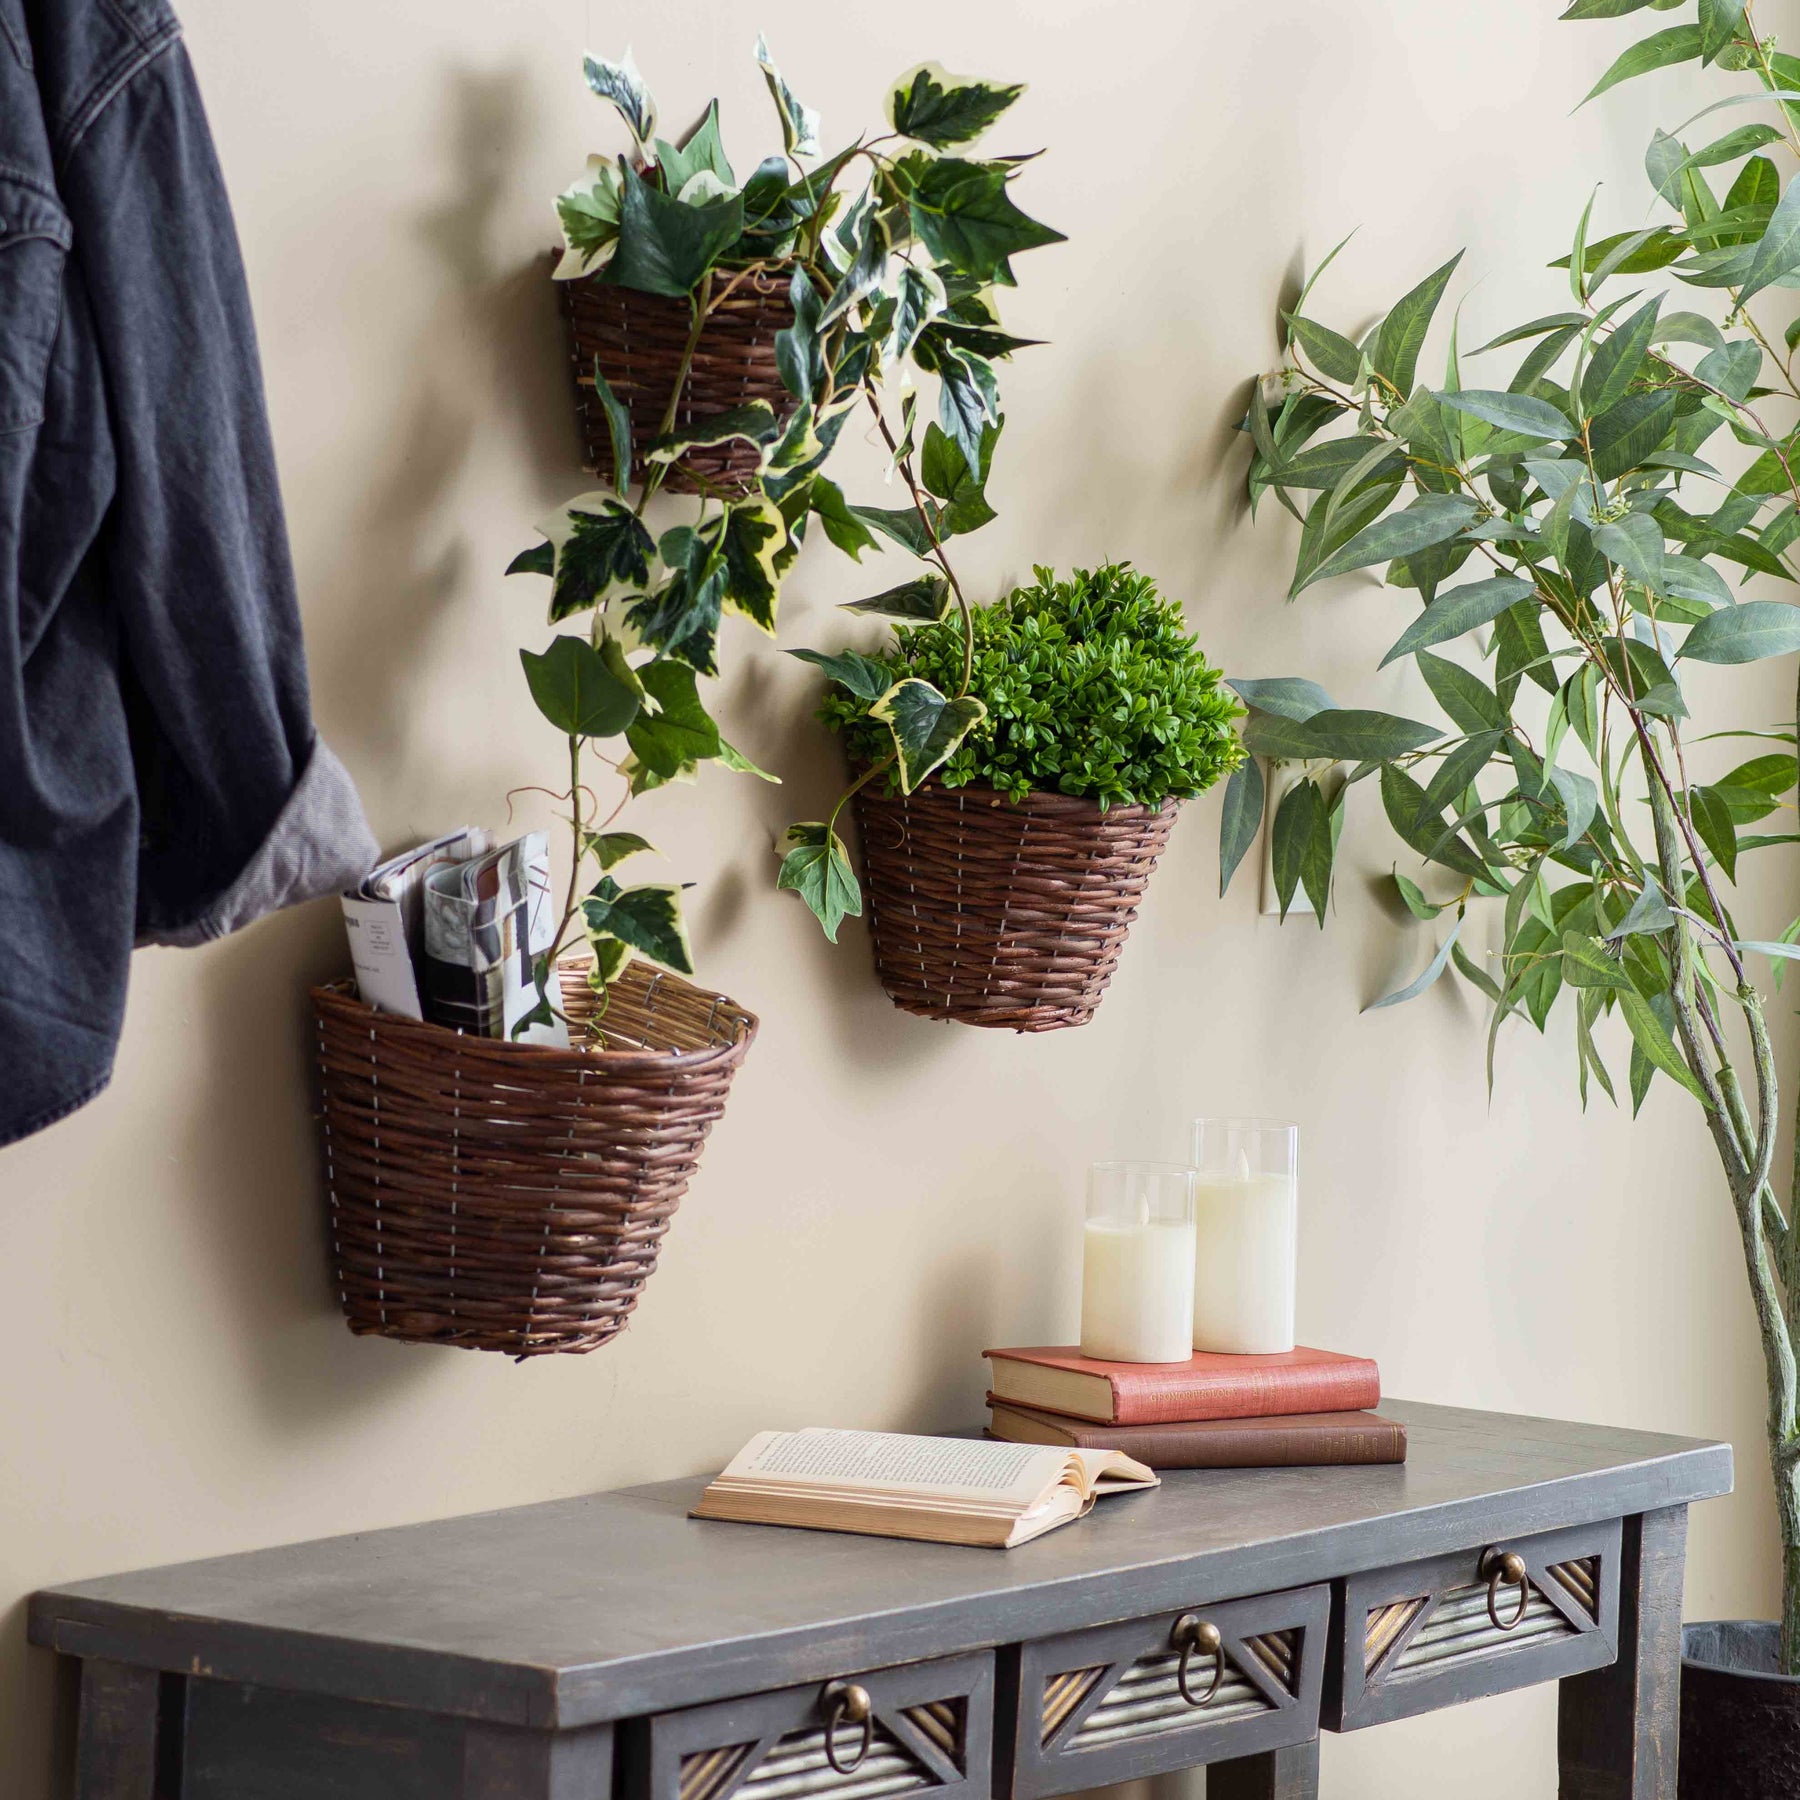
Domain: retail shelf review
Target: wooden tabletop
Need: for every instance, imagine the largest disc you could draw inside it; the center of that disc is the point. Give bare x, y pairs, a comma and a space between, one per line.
617, 1604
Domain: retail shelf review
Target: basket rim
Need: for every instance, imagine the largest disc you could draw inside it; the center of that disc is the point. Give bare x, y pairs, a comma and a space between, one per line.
1038, 800
341, 995
754, 281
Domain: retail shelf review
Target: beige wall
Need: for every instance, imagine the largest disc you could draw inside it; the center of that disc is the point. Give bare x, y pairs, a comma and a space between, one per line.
885, 1196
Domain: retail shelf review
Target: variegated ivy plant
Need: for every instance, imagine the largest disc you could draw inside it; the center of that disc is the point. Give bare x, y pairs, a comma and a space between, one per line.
892, 248
1569, 515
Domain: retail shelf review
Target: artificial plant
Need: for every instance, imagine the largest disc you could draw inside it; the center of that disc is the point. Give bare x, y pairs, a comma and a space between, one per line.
1089, 686
893, 248
1569, 515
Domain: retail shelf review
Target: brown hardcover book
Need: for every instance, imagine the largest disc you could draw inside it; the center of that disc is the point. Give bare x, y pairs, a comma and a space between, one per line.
1295, 1441
1206, 1386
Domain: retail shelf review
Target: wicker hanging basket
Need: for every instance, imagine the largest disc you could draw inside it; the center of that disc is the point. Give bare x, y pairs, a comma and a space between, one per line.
638, 340
512, 1197
999, 913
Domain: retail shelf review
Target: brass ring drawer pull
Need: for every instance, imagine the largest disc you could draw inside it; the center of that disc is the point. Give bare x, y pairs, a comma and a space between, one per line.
844, 1700
1505, 1569
1193, 1633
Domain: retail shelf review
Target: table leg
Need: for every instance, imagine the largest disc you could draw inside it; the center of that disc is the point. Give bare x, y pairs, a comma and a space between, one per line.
1617, 1727
1291, 1774
115, 1741
507, 1762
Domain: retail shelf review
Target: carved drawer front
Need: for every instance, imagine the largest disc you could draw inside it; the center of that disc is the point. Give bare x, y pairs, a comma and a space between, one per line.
924, 1729
1199, 1685
1482, 1621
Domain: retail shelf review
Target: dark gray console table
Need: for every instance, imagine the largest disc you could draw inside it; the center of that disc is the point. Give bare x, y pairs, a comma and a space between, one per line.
611, 1648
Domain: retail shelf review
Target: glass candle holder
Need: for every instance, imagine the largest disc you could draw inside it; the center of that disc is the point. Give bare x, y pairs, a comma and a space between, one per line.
1246, 1223
1137, 1263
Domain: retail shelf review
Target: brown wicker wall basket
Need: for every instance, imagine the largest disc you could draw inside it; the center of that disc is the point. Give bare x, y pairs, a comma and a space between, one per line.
999, 913
638, 339
513, 1197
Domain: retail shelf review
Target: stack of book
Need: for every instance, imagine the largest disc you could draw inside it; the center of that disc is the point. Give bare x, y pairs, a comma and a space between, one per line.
1211, 1412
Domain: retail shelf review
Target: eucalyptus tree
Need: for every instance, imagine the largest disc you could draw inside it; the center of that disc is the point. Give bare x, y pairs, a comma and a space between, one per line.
1563, 524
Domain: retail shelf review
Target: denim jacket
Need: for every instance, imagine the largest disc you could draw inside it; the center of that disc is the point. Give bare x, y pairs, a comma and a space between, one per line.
160, 777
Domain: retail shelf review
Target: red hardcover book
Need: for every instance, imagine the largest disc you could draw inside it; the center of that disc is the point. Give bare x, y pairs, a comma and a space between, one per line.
1295, 1440
1207, 1386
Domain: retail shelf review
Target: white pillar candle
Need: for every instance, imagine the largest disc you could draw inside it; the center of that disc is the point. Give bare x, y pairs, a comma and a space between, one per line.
1137, 1290
1244, 1242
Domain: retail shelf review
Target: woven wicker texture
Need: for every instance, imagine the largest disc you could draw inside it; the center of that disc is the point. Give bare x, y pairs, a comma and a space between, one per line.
1001, 914
513, 1197
638, 340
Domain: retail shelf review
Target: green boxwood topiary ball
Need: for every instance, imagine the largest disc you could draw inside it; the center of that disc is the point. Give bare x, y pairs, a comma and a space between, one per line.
1093, 687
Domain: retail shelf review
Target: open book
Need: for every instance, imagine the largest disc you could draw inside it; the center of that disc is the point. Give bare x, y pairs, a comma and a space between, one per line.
945, 1490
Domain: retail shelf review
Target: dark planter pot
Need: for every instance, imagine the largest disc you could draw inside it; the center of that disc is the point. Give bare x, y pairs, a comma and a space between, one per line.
1740, 1718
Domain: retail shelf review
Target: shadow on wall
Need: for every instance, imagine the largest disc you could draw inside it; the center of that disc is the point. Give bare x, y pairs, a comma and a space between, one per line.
489, 348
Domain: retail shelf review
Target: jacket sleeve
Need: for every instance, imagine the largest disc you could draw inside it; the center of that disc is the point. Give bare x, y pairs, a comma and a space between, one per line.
244, 808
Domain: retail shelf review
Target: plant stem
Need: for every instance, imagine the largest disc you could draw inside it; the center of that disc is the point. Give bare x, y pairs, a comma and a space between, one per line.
904, 464
702, 310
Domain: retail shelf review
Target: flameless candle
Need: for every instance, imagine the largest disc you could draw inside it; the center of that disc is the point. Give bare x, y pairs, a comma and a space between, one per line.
1137, 1265
1245, 1226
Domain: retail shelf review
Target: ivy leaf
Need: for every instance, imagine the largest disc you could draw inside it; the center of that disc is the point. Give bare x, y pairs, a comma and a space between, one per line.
618, 428
601, 553
589, 212
943, 110
960, 211
680, 733
1460, 610
818, 869
1242, 818
621, 83
539, 560
738, 763
848, 532
919, 297
968, 403
1746, 633
754, 423
609, 848
919, 602
1402, 334
799, 124
926, 724
648, 918
665, 244
681, 618
702, 149
1431, 972
799, 352
946, 473
861, 675
902, 524
752, 535
576, 691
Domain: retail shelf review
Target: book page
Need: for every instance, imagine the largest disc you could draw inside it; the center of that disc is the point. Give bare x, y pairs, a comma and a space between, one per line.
1110, 1472
968, 1469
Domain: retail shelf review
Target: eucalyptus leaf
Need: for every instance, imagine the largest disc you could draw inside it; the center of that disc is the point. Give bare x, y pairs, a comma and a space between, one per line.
1744, 633
1289, 696
1241, 819
1458, 611
1432, 971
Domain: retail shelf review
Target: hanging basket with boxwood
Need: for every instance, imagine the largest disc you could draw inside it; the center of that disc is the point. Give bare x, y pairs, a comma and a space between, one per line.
1004, 873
